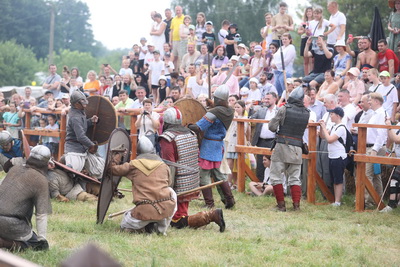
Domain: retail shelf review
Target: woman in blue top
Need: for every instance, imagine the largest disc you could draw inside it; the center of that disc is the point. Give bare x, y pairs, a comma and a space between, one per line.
341, 62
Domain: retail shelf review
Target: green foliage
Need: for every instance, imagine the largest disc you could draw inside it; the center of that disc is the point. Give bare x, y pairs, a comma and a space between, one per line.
18, 64
248, 15
359, 14
82, 60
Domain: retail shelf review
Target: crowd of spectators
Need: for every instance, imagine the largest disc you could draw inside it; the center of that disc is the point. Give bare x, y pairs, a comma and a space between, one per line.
188, 57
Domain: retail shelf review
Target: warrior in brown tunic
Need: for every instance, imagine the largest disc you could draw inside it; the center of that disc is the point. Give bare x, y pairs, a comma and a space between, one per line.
155, 201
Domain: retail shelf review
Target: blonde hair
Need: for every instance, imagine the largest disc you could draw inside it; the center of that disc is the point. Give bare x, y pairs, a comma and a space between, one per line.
376, 96
321, 20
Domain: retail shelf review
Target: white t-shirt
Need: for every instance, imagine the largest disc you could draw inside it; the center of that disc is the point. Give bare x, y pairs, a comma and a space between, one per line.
315, 29
289, 55
390, 96
123, 71
254, 95
313, 118
148, 123
172, 66
221, 36
336, 149
350, 113
196, 88
156, 68
50, 139
141, 54
338, 19
148, 58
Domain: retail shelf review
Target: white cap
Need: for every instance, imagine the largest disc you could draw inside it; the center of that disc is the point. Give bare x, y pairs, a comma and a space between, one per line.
244, 91
254, 79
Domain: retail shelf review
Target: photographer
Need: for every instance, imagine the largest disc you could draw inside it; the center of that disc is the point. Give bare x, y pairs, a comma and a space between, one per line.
148, 122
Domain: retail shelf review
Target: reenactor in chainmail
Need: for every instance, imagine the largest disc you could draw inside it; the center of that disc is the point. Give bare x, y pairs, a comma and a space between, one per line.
10, 151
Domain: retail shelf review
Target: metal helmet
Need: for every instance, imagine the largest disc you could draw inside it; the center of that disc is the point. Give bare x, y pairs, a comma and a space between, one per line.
41, 153
222, 92
173, 116
145, 146
5, 138
77, 96
297, 93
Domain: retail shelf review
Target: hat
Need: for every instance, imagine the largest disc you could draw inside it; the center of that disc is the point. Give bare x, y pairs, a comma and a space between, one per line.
340, 43
384, 74
192, 27
235, 57
338, 110
156, 52
209, 22
150, 44
244, 91
143, 39
254, 80
162, 77
258, 48
246, 56
48, 92
289, 81
233, 25
242, 46
354, 71
65, 96
181, 78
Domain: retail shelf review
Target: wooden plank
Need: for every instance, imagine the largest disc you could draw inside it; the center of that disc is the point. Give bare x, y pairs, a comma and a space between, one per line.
312, 164
133, 136
360, 187
42, 132
253, 149
251, 174
376, 126
241, 164
376, 159
63, 135
325, 190
373, 193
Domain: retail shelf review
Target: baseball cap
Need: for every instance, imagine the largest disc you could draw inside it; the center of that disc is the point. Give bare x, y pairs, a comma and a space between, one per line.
192, 27
156, 52
143, 39
242, 46
235, 57
246, 56
257, 48
289, 81
209, 22
254, 80
338, 110
384, 74
48, 92
65, 96
244, 91
354, 71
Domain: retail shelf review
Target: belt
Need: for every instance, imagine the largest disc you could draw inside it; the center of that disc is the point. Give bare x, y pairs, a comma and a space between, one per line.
153, 203
294, 138
212, 139
267, 139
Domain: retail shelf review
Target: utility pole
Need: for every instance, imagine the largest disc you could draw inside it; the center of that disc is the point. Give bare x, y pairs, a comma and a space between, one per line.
51, 41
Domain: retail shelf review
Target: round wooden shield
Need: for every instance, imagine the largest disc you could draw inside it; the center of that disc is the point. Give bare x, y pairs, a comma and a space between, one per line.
108, 120
119, 143
192, 110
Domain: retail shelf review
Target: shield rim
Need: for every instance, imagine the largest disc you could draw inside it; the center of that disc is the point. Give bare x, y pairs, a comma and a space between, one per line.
118, 179
85, 177
191, 99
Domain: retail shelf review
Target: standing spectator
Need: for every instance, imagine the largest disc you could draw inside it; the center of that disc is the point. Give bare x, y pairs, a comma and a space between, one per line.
339, 20
336, 139
11, 120
318, 26
75, 74
200, 28
52, 142
122, 106
387, 58
192, 38
219, 59
133, 61
263, 137
231, 40
148, 121
163, 89
175, 37
305, 32
376, 138
389, 94
157, 33
315, 105
281, 23
167, 20
266, 31
322, 61
367, 57
143, 51
156, 69
65, 81
168, 67
394, 27
289, 55
52, 81
92, 85
208, 37
223, 32
349, 109
269, 56
364, 115
117, 85
341, 62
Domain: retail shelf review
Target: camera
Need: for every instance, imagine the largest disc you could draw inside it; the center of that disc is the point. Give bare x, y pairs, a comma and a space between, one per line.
145, 113
237, 38
105, 65
270, 76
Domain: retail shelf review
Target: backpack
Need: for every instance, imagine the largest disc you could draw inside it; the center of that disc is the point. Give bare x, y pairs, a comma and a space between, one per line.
347, 147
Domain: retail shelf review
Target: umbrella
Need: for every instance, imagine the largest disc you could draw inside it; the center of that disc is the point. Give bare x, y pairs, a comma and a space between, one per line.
377, 31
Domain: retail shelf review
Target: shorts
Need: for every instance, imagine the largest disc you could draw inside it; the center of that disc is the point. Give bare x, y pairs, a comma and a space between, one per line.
336, 169
231, 155
318, 77
175, 47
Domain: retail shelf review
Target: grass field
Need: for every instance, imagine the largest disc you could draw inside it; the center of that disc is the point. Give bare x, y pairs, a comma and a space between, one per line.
255, 236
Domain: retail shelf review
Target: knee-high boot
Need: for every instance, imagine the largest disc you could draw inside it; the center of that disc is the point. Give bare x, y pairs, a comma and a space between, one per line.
205, 217
208, 197
229, 199
296, 195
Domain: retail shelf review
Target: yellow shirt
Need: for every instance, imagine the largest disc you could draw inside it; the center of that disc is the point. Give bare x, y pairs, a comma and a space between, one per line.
175, 24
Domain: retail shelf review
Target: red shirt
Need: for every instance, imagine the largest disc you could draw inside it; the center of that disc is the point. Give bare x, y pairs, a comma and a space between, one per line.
383, 60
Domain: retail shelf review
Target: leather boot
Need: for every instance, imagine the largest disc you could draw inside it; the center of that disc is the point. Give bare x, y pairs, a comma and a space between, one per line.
205, 217
11, 245
83, 196
93, 188
281, 206
229, 199
296, 206
180, 223
62, 198
208, 197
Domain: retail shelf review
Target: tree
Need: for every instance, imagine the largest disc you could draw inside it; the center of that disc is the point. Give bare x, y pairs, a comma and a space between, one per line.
248, 15
84, 61
18, 64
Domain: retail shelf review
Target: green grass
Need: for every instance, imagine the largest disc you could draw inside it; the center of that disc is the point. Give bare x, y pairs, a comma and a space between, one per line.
255, 236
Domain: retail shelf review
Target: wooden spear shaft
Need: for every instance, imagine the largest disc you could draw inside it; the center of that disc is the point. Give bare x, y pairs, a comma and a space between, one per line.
112, 215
